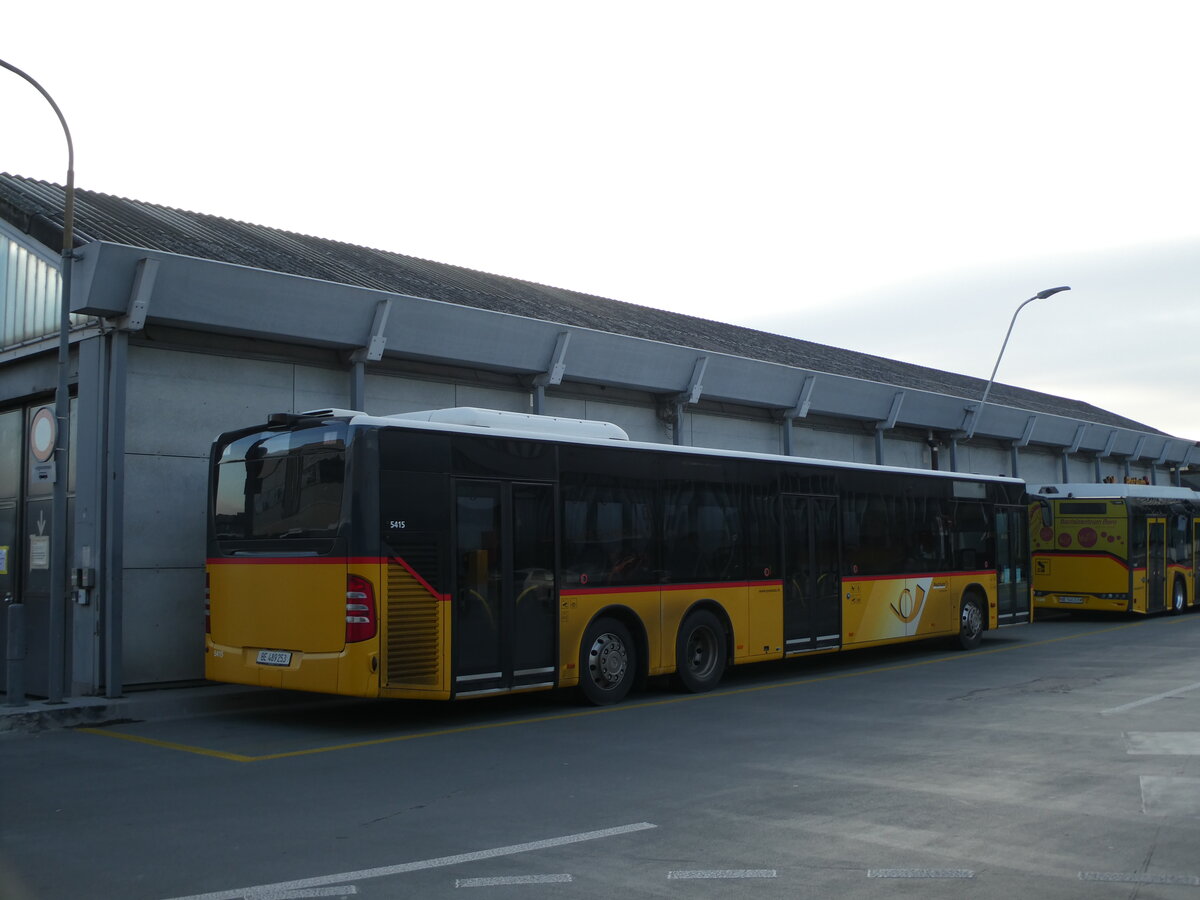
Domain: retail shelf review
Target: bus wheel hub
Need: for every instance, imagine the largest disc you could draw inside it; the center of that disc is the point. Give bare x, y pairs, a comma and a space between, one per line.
608, 659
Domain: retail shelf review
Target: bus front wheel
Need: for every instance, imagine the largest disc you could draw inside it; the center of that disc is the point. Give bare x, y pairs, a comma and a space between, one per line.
607, 662
970, 622
700, 652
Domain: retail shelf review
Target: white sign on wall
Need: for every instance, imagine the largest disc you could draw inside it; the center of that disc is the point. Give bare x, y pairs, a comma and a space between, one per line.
39, 551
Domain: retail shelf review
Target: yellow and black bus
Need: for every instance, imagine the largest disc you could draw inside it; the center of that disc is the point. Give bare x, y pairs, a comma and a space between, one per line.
462, 552
1114, 547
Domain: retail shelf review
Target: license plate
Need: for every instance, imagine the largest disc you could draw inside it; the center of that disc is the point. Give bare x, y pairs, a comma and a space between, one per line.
1070, 599
274, 657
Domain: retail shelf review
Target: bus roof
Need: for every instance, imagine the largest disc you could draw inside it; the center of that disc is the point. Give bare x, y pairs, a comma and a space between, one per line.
1145, 491
470, 420
539, 426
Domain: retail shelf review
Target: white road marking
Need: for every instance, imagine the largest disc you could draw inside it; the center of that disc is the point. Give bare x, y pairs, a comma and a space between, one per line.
1163, 743
254, 892
345, 890
1146, 700
721, 873
512, 879
920, 873
1164, 795
1138, 878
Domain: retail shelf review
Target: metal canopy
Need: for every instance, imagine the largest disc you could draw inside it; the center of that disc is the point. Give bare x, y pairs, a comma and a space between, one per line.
204, 295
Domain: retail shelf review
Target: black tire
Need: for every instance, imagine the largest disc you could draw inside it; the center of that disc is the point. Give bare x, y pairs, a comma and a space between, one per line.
1178, 598
970, 622
607, 662
700, 652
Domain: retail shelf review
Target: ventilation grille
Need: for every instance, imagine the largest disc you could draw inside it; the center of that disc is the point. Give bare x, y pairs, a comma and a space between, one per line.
413, 643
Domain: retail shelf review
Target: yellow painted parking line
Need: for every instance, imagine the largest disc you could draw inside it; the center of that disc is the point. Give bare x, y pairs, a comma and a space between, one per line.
621, 707
168, 745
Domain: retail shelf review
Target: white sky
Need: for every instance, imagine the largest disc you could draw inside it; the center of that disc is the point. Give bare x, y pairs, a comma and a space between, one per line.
890, 177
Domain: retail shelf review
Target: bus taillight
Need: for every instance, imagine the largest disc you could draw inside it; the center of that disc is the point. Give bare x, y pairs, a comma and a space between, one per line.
360, 609
207, 606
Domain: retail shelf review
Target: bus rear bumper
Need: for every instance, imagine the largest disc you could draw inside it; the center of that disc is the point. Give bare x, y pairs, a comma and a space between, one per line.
1081, 602
352, 672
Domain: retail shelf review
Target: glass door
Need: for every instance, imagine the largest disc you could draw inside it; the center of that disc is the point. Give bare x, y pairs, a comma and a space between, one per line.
1156, 564
812, 610
1012, 575
506, 595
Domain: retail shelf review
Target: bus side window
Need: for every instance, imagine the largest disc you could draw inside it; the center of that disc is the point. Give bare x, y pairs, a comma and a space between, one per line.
972, 536
702, 537
607, 534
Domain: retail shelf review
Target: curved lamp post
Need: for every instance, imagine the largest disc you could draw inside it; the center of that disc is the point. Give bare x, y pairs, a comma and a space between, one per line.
1040, 295
62, 405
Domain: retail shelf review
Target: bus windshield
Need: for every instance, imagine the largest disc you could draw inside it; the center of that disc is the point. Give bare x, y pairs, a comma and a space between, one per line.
272, 485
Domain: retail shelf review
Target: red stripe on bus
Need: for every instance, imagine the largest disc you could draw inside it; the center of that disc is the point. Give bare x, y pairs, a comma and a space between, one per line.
973, 573
326, 561
296, 560
421, 581
647, 588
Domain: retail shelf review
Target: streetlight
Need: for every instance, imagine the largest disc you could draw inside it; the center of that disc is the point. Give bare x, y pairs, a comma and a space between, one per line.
62, 406
1040, 295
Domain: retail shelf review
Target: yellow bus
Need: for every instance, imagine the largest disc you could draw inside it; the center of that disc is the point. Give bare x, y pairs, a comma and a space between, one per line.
1114, 547
462, 552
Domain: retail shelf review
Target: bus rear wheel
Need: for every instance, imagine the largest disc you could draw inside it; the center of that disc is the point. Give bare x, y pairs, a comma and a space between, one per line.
607, 662
970, 622
1178, 597
700, 652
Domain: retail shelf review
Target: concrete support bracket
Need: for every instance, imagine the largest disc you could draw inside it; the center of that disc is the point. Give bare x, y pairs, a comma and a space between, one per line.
377, 340
139, 297
787, 417
887, 425
1027, 434
673, 406
554, 374
1078, 441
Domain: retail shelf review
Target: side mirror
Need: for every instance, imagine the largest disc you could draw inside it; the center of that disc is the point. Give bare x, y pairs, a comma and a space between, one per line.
1047, 513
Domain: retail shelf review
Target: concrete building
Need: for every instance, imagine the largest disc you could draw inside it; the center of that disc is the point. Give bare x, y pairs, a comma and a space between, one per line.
187, 325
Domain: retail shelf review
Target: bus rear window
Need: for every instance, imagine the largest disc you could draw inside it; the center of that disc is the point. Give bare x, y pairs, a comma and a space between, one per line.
274, 485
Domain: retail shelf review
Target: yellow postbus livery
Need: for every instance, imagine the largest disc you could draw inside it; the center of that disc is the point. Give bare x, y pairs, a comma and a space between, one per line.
462, 552
1114, 547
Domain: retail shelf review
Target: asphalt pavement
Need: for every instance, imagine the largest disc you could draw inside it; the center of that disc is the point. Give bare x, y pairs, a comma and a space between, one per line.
36, 715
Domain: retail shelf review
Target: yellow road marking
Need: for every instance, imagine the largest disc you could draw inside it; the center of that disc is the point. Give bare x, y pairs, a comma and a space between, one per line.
169, 745
622, 707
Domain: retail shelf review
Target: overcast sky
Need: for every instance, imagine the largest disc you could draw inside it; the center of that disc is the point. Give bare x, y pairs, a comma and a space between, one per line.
887, 177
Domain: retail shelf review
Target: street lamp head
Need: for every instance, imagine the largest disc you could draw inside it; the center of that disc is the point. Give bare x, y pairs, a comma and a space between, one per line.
1050, 292
1040, 295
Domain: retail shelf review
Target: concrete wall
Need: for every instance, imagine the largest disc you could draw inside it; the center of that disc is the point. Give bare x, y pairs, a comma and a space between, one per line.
847, 445
731, 433
177, 403
179, 400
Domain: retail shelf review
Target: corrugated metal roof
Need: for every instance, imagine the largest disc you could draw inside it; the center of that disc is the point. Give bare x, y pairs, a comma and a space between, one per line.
36, 207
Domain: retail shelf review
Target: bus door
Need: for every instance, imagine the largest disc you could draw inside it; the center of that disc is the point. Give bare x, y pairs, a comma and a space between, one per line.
505, 594
1195, 567
1156, 564
812, 609
1012, 575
